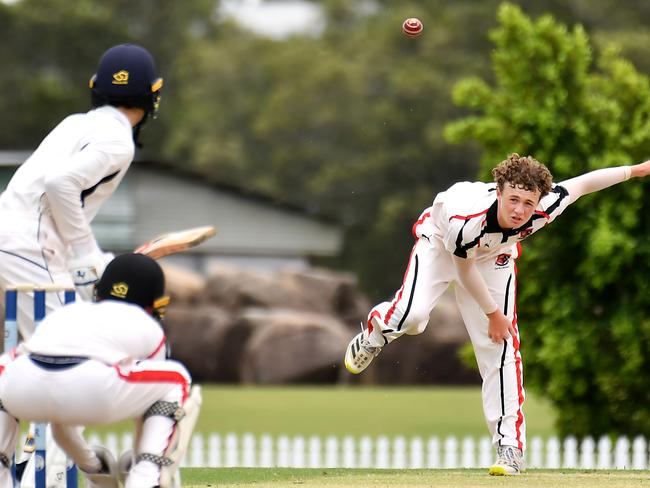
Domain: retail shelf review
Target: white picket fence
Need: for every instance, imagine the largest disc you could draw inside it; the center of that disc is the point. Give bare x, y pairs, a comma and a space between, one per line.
230, 450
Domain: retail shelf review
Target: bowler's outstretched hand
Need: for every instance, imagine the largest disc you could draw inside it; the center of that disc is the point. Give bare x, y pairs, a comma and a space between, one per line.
641, 169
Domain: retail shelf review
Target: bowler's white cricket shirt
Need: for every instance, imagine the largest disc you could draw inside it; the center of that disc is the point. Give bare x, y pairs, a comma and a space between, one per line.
465, 219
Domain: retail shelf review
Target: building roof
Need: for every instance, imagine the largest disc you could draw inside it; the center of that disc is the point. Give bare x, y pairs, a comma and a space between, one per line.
191, 174
157, 197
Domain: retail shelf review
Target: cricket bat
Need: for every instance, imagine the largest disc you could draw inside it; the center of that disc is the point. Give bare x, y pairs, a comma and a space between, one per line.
174, 242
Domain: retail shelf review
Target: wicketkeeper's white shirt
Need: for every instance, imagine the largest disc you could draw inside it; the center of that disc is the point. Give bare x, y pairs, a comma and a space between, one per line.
108, 331
118, 382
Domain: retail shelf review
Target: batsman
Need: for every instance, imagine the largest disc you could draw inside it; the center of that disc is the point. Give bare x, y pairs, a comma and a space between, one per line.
104, 362
49, 203
471, 236
48, 206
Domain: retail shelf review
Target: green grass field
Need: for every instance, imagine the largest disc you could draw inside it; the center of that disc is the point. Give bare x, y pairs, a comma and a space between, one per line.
408, 411
343, 478
352, 410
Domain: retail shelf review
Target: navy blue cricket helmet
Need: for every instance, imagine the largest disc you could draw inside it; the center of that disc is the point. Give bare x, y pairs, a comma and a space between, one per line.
126, 77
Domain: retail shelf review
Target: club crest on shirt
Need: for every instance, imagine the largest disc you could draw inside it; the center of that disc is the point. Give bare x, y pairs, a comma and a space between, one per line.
525, 233
502, 260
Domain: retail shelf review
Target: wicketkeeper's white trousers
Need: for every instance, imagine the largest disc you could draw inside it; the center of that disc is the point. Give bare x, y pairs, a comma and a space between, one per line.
86, 394
429, 273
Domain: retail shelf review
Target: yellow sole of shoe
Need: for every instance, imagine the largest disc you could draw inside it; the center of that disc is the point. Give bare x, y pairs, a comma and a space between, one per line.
349, 368
500, 471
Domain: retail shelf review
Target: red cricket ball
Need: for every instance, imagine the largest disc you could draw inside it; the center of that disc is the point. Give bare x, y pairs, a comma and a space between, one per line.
412, 27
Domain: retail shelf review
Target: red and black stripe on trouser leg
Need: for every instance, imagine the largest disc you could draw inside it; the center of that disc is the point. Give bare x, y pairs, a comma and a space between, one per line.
500, 364
427, 276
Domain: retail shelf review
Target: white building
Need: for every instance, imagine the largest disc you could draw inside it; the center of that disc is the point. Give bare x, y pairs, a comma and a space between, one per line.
253, 230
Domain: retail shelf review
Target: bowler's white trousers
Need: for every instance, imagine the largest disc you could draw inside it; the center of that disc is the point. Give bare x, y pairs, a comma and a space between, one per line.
429, 273
90, 393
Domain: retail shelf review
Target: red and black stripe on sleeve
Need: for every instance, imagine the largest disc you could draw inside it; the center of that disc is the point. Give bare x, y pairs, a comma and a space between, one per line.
461, 249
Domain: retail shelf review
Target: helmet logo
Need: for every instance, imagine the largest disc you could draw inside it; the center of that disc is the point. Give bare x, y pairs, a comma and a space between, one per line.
121, 77
119, 290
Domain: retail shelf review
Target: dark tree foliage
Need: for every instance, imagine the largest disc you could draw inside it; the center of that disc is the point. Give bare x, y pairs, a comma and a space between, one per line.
50, 49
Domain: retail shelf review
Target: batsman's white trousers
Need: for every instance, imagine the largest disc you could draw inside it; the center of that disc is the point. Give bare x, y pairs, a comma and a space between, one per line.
31, 252
90, 393
429, 273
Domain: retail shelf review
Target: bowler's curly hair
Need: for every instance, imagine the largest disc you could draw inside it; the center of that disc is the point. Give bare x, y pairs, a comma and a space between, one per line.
523, 172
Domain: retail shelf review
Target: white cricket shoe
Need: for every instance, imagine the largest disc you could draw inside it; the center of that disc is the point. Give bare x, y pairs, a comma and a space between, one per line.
510, 462
360, 352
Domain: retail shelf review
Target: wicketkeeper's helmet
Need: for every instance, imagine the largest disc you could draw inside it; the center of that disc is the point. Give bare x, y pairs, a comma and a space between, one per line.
126, 77
134, 278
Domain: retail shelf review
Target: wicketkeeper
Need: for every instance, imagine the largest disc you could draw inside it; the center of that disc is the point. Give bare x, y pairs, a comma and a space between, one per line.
471, 236
104, 362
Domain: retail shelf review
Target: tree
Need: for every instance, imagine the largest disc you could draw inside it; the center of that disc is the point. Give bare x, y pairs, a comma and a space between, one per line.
583, 306
348, 124
50, 48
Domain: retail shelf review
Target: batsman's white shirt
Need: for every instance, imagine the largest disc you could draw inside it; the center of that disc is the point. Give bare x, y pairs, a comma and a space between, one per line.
47, 207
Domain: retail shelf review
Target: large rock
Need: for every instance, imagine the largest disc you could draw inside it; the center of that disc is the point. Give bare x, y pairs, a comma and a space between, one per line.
289, 346
221, 328
197, 335
183, 285
312, 290
292, 326
328, 292
238, 288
